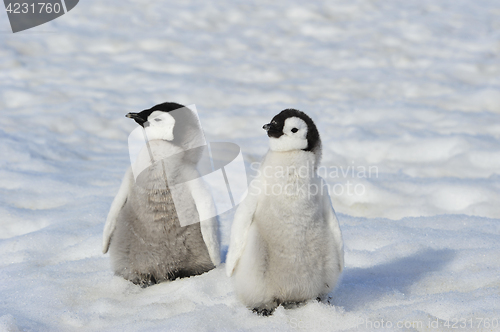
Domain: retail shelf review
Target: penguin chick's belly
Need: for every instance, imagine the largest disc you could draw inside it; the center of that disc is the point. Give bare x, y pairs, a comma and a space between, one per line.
295, 242
150, 244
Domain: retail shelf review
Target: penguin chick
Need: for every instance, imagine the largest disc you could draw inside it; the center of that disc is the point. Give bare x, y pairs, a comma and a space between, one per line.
286, 245
146, 242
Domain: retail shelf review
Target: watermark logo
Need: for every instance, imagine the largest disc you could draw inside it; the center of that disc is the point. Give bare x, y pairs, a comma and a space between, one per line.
182, 175
26, 14
277, 180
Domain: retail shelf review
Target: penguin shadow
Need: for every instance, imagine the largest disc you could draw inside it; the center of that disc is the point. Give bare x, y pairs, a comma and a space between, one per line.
362, 286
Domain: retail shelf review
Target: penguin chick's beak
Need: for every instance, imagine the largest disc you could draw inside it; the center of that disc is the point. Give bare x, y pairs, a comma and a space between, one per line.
272, 131
136, 117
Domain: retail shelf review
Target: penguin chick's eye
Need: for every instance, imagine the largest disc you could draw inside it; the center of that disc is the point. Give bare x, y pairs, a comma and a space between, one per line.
157, 120
294, 130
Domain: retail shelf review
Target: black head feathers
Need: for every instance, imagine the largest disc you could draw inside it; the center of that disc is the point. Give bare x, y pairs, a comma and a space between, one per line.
142, 117
186, 125
275, 128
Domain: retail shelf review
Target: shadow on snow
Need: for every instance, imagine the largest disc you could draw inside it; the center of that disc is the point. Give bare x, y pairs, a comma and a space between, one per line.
361, 286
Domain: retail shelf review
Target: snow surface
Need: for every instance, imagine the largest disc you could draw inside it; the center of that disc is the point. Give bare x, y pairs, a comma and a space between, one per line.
409, 87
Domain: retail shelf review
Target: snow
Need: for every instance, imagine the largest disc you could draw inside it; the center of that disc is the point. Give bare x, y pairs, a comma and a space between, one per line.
411, 88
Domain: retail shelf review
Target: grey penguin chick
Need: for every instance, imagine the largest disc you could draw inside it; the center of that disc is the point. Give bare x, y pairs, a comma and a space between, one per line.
146, 241
286, 245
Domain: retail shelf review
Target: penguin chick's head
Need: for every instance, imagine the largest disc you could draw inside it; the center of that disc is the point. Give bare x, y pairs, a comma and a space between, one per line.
157, 122
293, 130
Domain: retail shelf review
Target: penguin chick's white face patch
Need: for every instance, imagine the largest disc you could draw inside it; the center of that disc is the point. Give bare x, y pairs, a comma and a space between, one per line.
160, 125
294, 136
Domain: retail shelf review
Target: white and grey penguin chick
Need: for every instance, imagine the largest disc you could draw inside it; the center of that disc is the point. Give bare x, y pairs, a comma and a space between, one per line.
286, 245
146, 242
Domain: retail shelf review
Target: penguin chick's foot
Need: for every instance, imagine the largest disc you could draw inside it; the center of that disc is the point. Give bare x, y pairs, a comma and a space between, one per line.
263, 311
325, 298
266, 309
145, 280
293, 305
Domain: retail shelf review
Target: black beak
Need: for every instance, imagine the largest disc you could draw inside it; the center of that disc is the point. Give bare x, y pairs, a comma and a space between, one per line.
134, 116
272, 131
137, 118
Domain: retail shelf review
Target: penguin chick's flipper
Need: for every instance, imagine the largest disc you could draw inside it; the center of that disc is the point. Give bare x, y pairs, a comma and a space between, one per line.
207, 212
242, 220
333, 224
115, 209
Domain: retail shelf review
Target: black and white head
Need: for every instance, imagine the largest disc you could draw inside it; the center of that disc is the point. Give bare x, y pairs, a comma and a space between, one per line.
293, 130
160, 122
